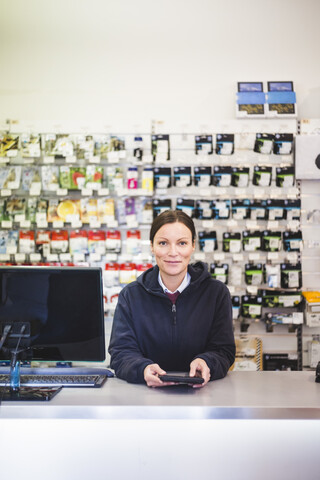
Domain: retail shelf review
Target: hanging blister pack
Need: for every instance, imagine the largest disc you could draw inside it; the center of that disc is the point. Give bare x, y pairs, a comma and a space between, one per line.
202, 176
222, 176
204, 209
224, 144
253, 274
285, 177
292, 241
291, 275
262, 176
231, 242
162, 177
208, 241
203, 145
219, 272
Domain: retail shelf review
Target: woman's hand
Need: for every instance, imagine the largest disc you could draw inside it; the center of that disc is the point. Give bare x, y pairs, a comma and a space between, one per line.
151, 376
199, 368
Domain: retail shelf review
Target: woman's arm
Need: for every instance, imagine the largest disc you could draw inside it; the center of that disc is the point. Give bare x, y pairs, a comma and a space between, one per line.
220, 349
126, 357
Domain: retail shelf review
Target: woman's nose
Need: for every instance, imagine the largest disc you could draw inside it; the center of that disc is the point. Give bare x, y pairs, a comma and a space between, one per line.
172, 250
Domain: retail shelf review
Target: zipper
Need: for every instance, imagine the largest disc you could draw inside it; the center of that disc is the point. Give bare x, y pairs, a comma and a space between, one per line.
174, 311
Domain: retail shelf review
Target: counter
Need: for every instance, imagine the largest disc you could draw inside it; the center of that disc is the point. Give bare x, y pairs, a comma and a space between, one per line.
248, 425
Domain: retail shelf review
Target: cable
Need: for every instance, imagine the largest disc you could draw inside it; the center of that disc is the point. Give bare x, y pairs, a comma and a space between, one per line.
5, 333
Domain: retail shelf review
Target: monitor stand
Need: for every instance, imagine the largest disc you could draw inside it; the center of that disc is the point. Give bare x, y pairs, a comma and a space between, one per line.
15, 392
28, 394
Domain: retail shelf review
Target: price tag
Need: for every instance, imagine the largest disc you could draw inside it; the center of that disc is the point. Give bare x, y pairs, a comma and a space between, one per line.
95, 257
147, 159
71, 159
65, 257
205, 192
53, 257
111, 257
76, 224
11, 250
42, 224
5, 192
103, 192
207, 223
219, 256
292, 257
48, 160
122, 192
293, 192
25, 224
237, 257
252, 290
251, 225
19, 217
58, 224
113, 157
86, 192
132, 223
95, 224
4, 257
20, 257
273, 255
95, 159
53, 187
254, 256
241, 192
13, 185
200, 256
35, 188
220, 191
62, 192
6, 224
272, 225
78, 257
28, 161
232, 223
258, 193
294, 225
112, 224
35, 257
275, 193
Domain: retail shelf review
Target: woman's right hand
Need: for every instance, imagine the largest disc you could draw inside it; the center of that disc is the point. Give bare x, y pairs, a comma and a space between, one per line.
151, 376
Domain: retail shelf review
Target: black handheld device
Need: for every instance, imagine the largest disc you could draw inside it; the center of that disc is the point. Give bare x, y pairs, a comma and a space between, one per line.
181, 378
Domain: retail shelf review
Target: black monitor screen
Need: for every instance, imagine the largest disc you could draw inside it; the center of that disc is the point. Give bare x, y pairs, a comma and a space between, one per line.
61, 309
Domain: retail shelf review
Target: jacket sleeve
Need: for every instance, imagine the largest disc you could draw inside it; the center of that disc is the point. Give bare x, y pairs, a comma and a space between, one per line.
220, 349
126, 357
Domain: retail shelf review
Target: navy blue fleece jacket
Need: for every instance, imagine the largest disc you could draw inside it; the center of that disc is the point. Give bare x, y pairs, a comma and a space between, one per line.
148, 329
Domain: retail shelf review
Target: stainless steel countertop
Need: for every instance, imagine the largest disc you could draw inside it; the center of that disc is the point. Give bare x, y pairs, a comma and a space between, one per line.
241, 395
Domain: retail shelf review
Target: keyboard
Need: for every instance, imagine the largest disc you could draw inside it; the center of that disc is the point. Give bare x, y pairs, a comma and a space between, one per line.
95, 381
58, 377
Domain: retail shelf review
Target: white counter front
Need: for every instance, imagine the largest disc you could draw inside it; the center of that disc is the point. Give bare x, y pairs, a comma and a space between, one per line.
248, 425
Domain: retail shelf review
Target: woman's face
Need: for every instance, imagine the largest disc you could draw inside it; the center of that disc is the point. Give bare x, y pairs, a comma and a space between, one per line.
172, 248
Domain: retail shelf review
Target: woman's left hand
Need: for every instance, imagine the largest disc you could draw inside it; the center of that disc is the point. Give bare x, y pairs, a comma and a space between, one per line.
199, 368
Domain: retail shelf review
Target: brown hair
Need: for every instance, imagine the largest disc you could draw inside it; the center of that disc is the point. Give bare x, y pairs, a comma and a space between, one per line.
172, 216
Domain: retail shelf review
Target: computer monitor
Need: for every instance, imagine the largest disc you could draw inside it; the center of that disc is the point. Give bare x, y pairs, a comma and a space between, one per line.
59, 309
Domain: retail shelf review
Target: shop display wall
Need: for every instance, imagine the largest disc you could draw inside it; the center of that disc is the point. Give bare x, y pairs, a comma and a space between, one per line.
89, 199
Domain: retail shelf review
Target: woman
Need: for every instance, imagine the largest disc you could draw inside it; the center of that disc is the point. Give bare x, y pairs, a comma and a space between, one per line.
189, 332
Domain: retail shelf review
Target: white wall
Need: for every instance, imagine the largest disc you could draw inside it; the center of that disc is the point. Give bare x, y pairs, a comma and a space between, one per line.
117, 64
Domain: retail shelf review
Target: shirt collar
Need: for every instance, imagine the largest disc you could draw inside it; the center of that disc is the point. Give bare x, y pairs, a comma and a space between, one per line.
185, 282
